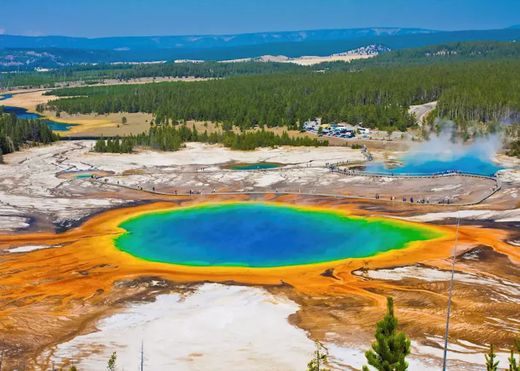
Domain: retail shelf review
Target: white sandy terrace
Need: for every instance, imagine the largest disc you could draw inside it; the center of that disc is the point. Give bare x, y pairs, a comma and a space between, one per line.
217, 328
232, 327
29, 182
204, 154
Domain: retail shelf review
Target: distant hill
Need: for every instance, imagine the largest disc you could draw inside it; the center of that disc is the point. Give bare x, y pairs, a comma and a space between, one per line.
28, 53
199, 41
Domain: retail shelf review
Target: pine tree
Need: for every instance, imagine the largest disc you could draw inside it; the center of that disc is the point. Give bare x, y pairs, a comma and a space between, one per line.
512, 362
100, 145
491, 364
318, 361
111, 366
391, 347
513, 365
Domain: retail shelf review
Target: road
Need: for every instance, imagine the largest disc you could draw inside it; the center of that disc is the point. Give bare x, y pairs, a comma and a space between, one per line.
421, 111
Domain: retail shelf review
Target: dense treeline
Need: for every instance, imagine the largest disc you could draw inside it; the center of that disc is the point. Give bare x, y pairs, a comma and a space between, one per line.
172, 138
378, 97
116, 145
487, 94
207, 69
15, 133
92, 74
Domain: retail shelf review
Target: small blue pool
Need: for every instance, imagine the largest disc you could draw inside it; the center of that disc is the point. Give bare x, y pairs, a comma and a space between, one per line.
255, 166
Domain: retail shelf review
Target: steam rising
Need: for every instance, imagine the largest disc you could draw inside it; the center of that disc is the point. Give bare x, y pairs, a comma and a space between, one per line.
444, 147
443, 154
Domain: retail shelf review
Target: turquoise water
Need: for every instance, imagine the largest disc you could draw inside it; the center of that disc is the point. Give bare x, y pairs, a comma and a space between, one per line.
83, 176
5, 96
427, 164
260, 235
22, 114
256, 166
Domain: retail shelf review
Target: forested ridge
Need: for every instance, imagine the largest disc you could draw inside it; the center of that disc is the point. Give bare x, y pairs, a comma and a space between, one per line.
92, 74
14, 133
169, 137
377, 97
443, 53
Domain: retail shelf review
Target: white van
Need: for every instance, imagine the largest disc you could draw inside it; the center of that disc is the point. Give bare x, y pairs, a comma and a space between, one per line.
363, 131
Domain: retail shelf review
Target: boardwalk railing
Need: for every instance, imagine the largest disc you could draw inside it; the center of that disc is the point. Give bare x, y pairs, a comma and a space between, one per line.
336, 168
333, 195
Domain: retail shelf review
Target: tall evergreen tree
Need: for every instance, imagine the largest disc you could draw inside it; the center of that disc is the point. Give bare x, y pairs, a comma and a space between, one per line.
513, 365
491, 364
319, 360
111, 365
391, 347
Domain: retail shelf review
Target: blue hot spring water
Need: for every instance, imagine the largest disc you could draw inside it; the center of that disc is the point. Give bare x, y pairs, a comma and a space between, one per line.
427, 164
22, 114
261, 235
255, 166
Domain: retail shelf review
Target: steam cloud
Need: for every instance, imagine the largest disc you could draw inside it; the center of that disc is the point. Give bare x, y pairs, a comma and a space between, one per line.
444, 147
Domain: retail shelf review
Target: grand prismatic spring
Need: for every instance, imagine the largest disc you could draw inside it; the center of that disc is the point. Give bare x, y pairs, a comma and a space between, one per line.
260, 235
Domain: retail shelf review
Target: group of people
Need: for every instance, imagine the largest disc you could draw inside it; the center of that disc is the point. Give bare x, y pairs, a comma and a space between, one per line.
406, 199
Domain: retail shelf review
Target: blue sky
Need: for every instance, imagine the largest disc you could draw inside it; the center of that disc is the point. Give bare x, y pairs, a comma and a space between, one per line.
177, 17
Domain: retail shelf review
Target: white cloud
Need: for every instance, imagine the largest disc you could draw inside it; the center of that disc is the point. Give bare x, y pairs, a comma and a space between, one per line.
2, 31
